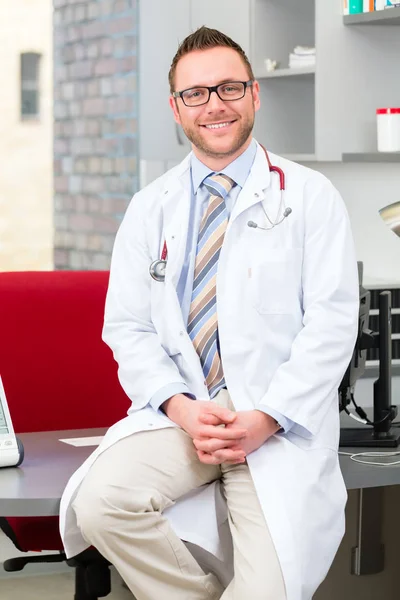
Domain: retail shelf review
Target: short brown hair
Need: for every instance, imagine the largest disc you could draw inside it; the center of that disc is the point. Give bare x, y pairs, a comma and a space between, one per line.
205, 38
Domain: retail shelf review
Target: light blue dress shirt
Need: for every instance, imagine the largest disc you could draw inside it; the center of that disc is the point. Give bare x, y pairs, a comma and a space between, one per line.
238, 170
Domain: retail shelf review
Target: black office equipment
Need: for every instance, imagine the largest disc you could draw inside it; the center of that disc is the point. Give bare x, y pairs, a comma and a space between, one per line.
378, 432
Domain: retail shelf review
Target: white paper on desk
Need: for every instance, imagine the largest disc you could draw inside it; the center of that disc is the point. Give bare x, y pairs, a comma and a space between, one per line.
84, 441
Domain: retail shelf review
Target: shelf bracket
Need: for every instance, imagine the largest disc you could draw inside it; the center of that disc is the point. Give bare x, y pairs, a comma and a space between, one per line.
368, 557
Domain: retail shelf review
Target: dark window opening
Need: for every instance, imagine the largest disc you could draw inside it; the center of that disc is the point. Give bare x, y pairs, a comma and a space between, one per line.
30, 85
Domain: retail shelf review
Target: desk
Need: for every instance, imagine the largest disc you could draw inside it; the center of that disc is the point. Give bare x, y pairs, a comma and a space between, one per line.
35, 488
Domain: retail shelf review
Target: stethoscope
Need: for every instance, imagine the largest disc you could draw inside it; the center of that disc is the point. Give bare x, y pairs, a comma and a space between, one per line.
158, 267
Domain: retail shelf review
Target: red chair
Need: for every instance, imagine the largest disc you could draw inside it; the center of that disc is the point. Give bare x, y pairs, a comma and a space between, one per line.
58, 374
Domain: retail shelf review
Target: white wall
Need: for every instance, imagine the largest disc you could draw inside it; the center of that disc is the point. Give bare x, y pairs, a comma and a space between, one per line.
365, 189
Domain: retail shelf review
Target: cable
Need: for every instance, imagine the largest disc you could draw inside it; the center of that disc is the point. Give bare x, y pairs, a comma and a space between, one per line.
355, 417
362, 415
355, 457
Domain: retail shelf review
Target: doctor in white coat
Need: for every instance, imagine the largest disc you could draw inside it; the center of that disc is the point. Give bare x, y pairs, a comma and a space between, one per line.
232, 363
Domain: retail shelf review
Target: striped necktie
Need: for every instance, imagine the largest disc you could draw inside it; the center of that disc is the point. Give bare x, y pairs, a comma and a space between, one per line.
202, 321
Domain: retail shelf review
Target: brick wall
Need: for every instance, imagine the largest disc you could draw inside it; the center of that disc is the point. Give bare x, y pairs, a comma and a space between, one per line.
95, 131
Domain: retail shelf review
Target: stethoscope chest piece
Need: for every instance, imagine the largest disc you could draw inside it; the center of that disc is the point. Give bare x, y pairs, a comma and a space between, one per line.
157, 270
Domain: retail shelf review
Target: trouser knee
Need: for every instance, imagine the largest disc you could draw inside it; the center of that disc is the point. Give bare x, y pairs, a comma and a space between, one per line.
97, 509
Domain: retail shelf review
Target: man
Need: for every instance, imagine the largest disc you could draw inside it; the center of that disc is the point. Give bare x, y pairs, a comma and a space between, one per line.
232, 363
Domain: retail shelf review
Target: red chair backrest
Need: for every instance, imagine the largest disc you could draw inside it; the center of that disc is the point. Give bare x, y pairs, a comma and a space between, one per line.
56, 370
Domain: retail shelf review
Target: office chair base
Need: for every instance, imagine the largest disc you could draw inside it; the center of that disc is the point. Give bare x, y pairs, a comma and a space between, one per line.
81, 585
91, 582
17, 564
92, 575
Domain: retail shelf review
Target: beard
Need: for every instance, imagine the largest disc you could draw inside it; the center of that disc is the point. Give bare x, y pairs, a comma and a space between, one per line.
193, 134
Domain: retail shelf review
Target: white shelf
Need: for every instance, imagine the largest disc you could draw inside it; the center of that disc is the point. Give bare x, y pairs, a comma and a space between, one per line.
389, 16
278, 73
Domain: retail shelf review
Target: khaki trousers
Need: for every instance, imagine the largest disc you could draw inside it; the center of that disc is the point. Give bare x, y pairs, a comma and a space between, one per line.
119, 510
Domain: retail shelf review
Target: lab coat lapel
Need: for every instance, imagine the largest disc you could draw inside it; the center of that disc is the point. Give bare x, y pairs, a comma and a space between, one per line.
176, 210
258, 181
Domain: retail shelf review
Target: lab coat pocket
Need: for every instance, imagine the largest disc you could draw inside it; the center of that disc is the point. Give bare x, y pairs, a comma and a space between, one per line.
276, 281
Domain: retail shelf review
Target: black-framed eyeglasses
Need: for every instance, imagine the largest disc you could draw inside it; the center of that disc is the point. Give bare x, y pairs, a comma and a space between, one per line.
228, 91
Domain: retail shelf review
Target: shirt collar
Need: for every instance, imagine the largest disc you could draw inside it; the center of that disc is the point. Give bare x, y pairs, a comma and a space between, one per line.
238, 170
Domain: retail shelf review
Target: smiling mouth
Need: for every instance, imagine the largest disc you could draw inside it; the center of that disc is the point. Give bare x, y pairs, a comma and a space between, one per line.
218, 125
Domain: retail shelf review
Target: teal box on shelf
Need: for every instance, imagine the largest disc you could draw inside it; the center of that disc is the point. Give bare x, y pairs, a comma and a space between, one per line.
355, 6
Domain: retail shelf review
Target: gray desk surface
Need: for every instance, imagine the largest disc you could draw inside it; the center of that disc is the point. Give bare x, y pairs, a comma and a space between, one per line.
35, 488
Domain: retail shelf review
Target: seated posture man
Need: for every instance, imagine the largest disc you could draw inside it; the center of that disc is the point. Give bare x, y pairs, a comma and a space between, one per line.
232, 312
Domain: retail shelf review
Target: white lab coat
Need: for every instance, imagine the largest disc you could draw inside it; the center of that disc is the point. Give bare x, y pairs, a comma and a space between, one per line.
287, 316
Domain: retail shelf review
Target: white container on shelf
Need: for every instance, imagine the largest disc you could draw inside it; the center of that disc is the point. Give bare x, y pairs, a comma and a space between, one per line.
388, 129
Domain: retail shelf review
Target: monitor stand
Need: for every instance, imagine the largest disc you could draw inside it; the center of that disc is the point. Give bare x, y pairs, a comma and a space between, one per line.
365, 437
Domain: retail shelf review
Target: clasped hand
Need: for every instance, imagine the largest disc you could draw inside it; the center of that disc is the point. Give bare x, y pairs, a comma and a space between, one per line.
221, 435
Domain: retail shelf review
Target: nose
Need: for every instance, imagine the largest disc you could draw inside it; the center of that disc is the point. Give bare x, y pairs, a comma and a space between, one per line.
215, 103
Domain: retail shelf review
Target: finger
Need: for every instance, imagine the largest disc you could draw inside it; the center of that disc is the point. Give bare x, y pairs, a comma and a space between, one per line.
224, 414
210, 419
210, 445
208, 459
211, 459
222, 433
229, 455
